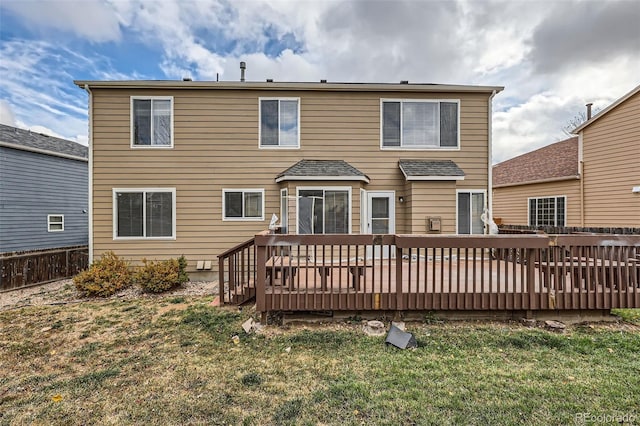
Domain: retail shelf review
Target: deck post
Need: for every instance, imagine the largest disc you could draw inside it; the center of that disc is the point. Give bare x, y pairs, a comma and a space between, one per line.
261, 274
399, 295
221, 279
531, 278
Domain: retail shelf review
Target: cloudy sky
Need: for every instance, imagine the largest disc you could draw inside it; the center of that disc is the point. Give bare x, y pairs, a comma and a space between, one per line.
551, 56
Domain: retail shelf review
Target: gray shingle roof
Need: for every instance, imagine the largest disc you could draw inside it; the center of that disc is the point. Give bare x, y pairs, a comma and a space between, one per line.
430, 169
306, 169
31, 140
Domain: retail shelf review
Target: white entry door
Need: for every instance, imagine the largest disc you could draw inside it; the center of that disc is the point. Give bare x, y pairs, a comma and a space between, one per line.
381, 215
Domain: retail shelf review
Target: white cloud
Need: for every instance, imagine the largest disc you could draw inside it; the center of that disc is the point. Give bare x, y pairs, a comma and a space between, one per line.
6, 114
89, 19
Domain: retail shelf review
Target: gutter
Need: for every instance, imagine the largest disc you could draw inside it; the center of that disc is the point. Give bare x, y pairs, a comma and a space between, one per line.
42, 151
90, 140
581, 173
531, 182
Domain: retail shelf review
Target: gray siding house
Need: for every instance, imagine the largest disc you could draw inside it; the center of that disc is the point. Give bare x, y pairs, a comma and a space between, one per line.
43, 191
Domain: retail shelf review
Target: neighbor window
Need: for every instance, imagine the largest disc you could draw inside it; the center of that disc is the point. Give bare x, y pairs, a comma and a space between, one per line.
279, 123
151, 122
547, 211
144, 213
419, 124
55, 222
470, 208
323, 211
243, 204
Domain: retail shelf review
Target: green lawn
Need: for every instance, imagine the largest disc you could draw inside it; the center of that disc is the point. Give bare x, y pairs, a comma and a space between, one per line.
172, 361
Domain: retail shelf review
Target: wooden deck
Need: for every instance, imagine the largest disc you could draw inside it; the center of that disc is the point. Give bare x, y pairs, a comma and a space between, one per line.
533, 272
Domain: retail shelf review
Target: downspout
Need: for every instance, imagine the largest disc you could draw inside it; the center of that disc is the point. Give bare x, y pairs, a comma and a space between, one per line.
490, 158
581, 174
90, 140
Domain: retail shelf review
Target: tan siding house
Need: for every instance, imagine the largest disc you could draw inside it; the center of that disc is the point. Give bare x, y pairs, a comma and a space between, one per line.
539, 188
610, 144
591, 180
194, 168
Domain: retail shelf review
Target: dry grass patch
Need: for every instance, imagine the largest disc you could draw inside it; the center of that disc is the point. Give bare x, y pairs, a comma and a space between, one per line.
172, 361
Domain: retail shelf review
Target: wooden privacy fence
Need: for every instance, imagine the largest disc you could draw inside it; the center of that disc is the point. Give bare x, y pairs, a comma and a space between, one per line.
28, 268
424, 272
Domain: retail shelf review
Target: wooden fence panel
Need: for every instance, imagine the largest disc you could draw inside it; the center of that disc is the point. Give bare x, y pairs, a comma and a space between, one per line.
28, 268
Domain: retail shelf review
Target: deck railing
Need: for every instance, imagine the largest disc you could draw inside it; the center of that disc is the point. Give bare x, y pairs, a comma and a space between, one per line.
237, 273
418, 272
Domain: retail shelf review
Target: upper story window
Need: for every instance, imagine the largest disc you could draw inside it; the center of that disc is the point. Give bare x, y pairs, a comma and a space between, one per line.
243, 204
547, 211
55, 222
151, 121
280, 123
144, 213
420, 124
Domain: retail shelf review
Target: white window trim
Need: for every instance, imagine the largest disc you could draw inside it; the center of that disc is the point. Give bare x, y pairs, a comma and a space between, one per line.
131, 121
418, 148
284, 214
260, 146
324, 188
242, 219
471, 191
555, 209
144, 213
49, 223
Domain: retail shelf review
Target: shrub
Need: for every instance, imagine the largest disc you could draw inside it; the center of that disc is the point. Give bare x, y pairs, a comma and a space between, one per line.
105, 276
159, 276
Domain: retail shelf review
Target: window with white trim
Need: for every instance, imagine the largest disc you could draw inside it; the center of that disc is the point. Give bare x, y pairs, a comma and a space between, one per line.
144, 213
420, 124
55, 222
279, 123
151, 122
470, 207
324, 211
243, 204
547, 211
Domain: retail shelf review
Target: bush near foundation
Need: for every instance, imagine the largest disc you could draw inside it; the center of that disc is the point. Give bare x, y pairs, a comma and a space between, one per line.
163, 275
105, 276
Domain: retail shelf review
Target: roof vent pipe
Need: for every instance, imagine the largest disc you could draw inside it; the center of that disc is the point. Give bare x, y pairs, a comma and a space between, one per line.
589, 110
243, 66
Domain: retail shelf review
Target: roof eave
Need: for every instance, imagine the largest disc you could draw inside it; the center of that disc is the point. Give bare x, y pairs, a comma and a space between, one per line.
285, 178
305, 86
433, 178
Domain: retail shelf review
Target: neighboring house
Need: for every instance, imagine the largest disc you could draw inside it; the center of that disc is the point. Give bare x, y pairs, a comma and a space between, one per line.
591, 180
43, 191
539, 188
194, 168
610, 156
